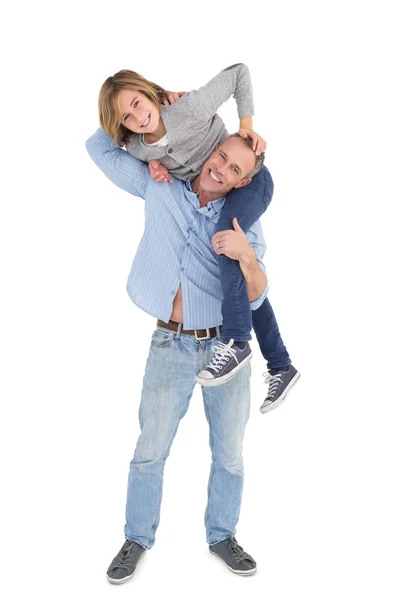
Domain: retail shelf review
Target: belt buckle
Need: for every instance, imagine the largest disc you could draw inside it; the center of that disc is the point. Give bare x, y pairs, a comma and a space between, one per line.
202, 338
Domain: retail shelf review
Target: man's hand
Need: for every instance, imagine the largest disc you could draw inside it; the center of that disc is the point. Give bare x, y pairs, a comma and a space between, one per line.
259, 145
158, 171
233, 244
173, 97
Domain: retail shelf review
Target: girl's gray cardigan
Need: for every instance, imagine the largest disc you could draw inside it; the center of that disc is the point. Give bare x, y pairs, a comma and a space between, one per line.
192, 125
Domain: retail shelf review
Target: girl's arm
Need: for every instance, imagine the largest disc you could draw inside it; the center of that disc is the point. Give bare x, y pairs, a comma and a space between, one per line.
246, 130
234, 81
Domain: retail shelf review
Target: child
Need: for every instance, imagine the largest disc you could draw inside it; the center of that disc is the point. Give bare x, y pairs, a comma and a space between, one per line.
177, 138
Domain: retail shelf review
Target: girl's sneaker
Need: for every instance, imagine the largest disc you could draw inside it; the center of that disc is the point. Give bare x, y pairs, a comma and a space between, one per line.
280, 382
227, 361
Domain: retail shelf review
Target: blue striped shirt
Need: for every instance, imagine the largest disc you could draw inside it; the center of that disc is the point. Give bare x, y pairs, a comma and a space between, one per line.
175, 249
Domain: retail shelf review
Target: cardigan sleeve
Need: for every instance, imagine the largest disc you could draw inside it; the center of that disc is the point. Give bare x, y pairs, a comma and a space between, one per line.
234, 81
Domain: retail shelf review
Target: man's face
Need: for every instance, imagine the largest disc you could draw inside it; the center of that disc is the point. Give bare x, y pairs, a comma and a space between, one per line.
227, 167
139, 114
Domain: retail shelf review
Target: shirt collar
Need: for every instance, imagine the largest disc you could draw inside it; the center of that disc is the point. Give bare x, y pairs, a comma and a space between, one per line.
213, 208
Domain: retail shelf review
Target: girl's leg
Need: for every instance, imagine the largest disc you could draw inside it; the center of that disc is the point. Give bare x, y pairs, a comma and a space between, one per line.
282, 374
269, 339
247, 204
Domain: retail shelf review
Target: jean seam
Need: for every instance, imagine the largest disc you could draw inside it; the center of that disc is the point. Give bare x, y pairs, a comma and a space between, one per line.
162, 462
270, 342
184, 409
131, 539
212, 464
221, 540
167, 339
236, 299
155, 525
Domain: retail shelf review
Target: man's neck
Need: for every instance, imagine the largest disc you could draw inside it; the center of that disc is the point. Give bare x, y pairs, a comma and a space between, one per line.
203, 196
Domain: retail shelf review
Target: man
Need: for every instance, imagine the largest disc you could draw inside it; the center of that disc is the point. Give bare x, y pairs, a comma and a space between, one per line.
175, 277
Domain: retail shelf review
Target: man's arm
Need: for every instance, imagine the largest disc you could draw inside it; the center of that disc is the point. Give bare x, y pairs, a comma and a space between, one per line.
248, 250
256, 280
121, 168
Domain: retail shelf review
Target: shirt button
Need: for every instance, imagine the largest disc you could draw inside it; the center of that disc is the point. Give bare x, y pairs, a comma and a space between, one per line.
188, 244
169, 150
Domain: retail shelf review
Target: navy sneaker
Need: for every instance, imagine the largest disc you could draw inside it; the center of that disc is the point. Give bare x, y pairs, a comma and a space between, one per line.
279, 384
124, 564
235, 558
227, 361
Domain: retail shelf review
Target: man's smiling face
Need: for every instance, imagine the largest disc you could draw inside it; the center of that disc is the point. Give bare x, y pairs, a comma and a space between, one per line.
227, 167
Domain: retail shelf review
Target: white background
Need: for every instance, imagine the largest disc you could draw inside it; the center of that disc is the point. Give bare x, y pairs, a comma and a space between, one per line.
321, 500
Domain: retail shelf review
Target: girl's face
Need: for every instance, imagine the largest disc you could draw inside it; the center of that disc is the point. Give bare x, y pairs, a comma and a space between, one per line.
139, 114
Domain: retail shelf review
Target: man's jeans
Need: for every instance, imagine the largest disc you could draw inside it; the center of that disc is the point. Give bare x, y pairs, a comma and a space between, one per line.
247, 204
170, 376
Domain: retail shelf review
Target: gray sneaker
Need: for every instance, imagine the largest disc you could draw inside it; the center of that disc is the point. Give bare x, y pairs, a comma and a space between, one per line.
227, 361
279, 384
235, 558
124, 564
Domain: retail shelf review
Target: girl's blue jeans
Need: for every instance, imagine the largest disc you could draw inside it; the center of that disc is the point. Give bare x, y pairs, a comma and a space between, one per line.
247, 204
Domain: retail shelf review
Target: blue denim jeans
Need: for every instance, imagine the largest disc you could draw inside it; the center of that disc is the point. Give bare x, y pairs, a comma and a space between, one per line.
247, 204
169, 379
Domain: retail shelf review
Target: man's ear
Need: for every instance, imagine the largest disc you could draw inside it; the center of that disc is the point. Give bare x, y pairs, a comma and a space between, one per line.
243, 182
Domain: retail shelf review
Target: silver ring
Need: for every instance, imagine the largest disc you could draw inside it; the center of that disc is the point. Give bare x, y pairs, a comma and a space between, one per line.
218, 246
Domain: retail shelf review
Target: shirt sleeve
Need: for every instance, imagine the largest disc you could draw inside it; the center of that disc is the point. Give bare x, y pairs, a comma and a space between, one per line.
256, 240
234, 81
121, 168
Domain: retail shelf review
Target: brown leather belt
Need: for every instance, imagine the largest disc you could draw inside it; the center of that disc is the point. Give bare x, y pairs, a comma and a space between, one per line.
200, 334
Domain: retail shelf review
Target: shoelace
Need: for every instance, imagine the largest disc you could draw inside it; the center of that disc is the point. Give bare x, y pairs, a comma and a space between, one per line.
273, 383
126, 553
223, 352
239, 553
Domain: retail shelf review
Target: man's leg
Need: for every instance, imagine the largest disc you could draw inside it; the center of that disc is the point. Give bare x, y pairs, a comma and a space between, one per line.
227, 410
167, 388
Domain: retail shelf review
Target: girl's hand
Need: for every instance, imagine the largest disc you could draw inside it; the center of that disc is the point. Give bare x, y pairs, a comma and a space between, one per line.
173, 97
259, 145
158, 171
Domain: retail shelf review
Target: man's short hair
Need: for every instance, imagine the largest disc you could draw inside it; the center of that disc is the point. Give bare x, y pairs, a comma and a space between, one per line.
249, 143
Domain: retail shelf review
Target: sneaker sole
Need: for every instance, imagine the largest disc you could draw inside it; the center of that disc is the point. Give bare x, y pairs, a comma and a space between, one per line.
224, 378
277, 403
125, 579
119, 581
245, 573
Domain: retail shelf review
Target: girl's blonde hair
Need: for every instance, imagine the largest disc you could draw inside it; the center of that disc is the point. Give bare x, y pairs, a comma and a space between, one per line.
109, 109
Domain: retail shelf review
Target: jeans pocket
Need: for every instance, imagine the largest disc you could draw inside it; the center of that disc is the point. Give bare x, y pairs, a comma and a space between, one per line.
161, 338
